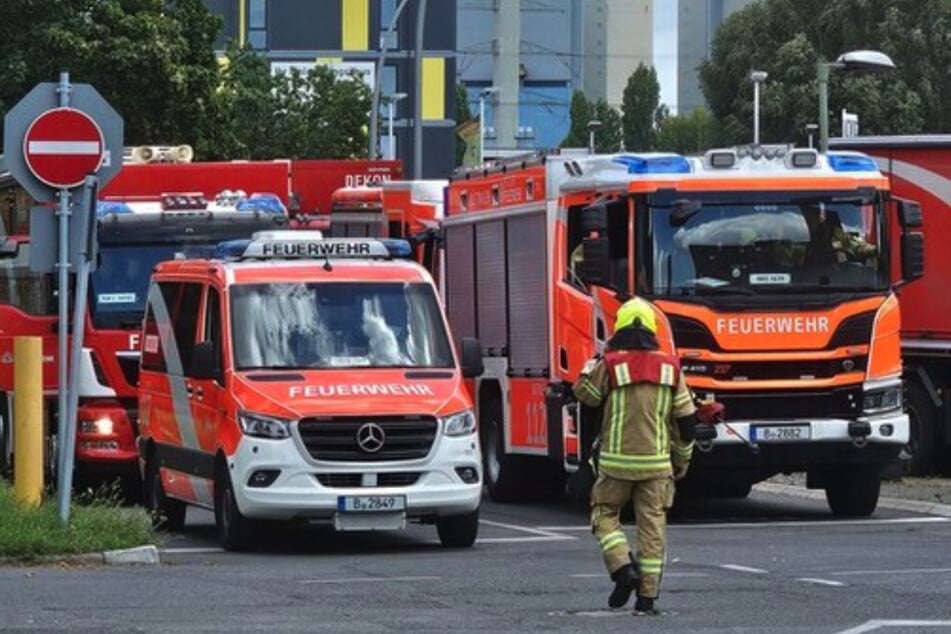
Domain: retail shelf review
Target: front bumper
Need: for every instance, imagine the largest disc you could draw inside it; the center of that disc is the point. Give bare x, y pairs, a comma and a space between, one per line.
297, 492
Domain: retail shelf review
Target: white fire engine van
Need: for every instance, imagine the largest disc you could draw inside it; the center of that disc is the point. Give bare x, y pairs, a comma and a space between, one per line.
293, 377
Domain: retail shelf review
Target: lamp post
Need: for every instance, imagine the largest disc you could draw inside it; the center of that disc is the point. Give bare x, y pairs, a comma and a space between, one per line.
757, 77
867, 61
391, 103
486, 92
593, 126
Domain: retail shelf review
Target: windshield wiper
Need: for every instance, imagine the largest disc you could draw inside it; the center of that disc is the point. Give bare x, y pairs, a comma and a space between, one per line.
723, 290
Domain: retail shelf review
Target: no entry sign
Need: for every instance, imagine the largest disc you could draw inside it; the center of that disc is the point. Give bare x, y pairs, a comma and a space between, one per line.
62, 146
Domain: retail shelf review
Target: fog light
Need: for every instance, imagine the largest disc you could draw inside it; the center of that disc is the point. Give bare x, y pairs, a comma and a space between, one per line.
886, 429
468, 474
102, 426
263, 478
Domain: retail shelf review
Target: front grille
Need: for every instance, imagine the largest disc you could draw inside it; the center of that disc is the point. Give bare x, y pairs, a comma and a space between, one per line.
351, 480
335, 439
130, 368
749, 405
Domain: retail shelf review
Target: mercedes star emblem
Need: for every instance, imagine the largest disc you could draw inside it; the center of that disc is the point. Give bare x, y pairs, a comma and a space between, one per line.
370, 437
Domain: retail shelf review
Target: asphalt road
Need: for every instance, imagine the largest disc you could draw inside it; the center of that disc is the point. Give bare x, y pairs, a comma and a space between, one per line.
766, 564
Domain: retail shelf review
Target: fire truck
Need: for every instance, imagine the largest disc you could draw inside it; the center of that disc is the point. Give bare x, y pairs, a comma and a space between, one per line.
919, 168
770, 268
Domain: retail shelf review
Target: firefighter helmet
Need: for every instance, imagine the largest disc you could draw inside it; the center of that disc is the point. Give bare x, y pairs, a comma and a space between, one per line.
636, 312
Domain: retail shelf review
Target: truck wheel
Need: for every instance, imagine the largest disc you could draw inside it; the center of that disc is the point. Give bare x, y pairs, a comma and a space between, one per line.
919, 453
235, 531
458, 531
503, 477
167, 513
853, 491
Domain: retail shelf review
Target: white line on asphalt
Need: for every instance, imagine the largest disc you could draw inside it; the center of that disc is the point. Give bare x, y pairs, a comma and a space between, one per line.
519, 540
370, 579
821, 582
738, 568
768, 524
524, 529
601, 575
904, 571
870, 626
196, 550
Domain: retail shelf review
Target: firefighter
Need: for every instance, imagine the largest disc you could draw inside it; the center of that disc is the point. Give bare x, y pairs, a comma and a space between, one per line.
645, 444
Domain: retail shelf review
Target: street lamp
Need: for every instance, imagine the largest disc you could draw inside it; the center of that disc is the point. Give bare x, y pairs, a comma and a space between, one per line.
391, 103
867, 61
593, 126
486, 93
757, 77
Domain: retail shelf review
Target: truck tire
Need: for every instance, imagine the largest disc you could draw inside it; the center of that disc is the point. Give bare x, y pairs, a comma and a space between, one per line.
919, 454
853, 491
168, 514
235, 531
504, 477
458, 531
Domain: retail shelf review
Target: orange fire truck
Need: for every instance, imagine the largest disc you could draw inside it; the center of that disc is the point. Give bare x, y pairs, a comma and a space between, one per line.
770, 268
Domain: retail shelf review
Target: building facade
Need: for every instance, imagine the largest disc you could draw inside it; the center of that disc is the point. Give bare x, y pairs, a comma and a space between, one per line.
350, 34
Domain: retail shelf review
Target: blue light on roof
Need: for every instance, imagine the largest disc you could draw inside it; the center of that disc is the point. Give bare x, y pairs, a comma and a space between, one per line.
852, 163
657, 164
265, 203
230, 249
398, 248
111, 207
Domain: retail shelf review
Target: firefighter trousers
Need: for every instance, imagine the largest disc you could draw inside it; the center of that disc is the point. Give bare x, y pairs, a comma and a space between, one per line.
651, 499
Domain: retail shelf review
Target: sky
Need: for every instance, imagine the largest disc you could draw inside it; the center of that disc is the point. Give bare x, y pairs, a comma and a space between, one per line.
665, 50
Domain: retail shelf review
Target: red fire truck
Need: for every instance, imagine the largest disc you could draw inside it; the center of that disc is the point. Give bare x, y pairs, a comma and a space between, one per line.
771, 268
919, 168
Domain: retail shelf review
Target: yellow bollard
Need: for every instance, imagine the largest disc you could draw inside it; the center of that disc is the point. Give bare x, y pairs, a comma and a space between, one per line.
28, 419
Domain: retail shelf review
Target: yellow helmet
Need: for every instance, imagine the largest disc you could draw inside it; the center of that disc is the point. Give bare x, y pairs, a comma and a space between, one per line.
636, 312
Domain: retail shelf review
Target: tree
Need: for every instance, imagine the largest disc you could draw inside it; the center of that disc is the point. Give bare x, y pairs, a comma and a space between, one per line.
152, 60
788, 38
608, 136
687, 134
463, 115
580, 113
641, 106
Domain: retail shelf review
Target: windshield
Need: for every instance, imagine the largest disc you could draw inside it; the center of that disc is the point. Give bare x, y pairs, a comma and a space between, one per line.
119, 285
762, 248
338, 325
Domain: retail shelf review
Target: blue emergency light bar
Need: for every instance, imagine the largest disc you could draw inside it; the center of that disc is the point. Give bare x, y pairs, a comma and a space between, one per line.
105, 207
851, 163
287, 245
654, 163
265, 203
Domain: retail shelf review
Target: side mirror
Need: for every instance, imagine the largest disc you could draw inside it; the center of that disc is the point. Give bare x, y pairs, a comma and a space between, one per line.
204, 364
596, 266
912, 255
909, 214
594, 218
471, 351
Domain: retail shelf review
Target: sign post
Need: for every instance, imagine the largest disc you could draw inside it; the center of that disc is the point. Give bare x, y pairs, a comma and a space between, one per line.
57, 138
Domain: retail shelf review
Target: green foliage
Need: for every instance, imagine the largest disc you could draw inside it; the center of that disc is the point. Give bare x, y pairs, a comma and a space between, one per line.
641, 105
691, 133
580, 113
788, 38
297, 114
463, 114
96, 524
607, 138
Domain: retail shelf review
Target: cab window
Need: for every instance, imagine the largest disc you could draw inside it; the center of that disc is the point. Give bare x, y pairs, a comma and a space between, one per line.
212, 331
182, 302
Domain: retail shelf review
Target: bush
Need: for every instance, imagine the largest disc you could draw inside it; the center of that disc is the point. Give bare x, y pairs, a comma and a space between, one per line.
97, 522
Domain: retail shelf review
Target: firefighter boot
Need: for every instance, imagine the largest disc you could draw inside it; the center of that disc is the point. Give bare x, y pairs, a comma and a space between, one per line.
625, 581
645, 606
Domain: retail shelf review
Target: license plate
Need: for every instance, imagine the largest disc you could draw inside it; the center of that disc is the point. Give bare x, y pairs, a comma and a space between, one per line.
767, 433
370, 503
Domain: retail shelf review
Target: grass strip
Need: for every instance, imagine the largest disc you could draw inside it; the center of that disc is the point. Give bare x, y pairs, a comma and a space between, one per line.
97, 523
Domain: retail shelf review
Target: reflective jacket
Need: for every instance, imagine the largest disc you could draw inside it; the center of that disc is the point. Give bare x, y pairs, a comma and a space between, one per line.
643, 392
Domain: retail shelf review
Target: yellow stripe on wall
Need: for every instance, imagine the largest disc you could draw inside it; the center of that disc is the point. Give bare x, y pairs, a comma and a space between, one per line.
355, 25
434, 88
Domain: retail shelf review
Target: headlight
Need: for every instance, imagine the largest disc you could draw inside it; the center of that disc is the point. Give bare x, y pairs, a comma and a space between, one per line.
882, 400
263, 426
459, 424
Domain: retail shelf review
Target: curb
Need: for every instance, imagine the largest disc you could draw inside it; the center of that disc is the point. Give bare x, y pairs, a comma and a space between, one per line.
929, 508
138, 556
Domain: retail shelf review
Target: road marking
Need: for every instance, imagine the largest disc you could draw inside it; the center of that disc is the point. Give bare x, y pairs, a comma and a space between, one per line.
369, 579
769, 524
196, 550
821, 582
602, 575
870, 626
521, 540
738, 568
905, 571
525, 529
